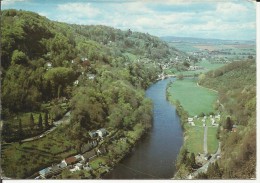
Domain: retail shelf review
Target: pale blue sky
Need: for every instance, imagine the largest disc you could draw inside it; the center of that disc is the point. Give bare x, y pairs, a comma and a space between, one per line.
222, 19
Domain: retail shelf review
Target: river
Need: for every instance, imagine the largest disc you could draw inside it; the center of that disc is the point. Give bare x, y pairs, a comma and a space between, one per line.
155, 155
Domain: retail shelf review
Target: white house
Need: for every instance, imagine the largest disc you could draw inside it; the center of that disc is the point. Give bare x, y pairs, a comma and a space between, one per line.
101, 132
76, 82
190, 120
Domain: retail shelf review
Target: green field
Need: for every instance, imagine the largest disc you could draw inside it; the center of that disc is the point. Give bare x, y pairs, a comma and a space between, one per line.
212, 141
194, 141
193, 98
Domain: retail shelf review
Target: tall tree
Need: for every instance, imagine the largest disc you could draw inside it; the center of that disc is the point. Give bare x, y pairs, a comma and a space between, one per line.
40, 122
228, 124
31, 122
193, 161
46, 118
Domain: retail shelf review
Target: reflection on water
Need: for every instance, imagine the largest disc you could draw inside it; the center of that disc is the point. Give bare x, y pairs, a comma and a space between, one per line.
154, 157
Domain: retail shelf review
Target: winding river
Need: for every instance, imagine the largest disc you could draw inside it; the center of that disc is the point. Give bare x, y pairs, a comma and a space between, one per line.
155, 155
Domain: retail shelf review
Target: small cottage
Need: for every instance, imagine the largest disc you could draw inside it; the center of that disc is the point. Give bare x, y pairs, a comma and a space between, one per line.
234, 128
102, 132
71, 160
190, 120
46, 172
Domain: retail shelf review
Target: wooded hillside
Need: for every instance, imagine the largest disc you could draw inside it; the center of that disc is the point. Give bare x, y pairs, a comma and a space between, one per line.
236, 84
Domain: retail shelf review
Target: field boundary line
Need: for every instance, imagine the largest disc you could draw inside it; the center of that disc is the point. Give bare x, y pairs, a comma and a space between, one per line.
207, 88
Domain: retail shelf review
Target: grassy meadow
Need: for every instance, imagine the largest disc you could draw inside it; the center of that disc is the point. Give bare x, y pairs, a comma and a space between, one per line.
194, 141
193, 98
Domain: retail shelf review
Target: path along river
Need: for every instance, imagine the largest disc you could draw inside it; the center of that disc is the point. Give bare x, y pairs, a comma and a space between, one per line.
154, 156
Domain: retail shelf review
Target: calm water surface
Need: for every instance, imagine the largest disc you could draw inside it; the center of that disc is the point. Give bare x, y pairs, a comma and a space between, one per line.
154, 157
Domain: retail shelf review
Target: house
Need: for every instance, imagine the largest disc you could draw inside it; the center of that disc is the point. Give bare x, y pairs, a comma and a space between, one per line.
101, 132
76, 82
45, 172
212, 121
79, 157
79, 165
101, 150
192, 124
58, 168
91, 76
89, 155
71, 160
217, 116
49, 64
93, 134
83, 59
234, 128
190, 120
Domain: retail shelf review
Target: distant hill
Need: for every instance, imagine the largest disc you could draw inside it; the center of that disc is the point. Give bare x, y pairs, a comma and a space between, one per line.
204, 41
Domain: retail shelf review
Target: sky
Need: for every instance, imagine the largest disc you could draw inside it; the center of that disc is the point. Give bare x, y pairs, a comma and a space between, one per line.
220, 19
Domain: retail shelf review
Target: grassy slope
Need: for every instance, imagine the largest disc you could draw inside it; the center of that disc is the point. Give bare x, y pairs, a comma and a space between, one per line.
193, 98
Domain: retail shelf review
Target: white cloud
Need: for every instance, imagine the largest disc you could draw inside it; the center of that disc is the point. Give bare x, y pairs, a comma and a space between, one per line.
10, 2
229, 8
79, 9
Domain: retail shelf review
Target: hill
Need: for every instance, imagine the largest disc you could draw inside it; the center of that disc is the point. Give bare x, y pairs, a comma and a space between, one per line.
98, 73
204, 40
236, 84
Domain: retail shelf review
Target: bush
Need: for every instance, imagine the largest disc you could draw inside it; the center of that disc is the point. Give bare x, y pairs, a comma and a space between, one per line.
56, 112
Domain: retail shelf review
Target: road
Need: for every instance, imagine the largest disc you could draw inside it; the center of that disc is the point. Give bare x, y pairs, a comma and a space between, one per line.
64, 120
204, 168
205, 140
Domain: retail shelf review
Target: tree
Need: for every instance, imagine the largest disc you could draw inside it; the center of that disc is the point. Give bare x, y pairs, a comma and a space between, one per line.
19, 57
193, 161
40, 122
180, 76
228, 124
46, 123
214, 171
31, 122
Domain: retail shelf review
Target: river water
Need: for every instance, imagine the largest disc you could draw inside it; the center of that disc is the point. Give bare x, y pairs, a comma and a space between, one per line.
155, 155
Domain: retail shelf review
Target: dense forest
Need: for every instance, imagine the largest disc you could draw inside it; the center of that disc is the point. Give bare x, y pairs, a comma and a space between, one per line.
47, 65
98, 73
236, 84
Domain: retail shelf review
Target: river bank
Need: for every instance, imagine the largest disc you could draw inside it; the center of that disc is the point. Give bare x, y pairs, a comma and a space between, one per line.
155, 155
193, 131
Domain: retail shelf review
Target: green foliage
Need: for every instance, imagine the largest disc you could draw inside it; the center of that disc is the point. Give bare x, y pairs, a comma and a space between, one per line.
40, 126
56, 112
214, 171
19, 57
46, 120
236, 84
123, 64
228, 124
32, 122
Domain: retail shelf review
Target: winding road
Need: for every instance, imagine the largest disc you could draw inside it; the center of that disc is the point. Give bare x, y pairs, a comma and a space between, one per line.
204, 168
64, 120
